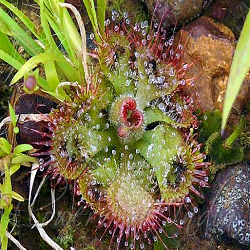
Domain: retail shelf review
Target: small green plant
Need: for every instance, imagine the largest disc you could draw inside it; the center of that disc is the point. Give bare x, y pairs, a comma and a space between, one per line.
10, 161
217, 148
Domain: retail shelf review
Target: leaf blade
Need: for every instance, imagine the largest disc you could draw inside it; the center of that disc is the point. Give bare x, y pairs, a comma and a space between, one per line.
12, 115
22, 158
22, 148
32, 63
16, 196
5, 146
239, 69
10, 60
20, 34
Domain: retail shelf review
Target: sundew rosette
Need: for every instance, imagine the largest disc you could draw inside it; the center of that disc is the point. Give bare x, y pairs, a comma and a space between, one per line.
134, 191
123, 197
126, 137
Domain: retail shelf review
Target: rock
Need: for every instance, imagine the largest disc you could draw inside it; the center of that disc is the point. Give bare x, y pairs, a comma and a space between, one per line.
231, 13
209, 48
175, 12
32, 104
31, 131
228, 205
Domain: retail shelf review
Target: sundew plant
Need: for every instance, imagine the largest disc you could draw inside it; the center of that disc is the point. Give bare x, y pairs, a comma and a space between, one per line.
122, 131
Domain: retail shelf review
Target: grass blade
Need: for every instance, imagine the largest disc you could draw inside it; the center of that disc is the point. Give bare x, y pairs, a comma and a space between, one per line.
20, 34
69, 72
7, 47
51, 75
17, 196
32, 63
55, 26
90, 7
239, 69
12, 115
26, 21
10, 60
101, 10
82, 54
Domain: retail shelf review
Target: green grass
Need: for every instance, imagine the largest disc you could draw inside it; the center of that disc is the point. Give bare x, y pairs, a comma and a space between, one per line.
42, 46
239, 69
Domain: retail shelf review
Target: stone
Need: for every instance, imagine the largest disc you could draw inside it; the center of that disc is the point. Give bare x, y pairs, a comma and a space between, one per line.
228, 205
209, 49
31, 104
231, 13
175, 12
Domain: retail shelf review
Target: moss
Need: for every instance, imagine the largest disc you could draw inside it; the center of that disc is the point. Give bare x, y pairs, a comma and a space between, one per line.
65, 241
89, 248
43, 245
220, 153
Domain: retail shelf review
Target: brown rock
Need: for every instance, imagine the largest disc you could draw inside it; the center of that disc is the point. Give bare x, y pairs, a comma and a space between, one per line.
210, 47
175, 12
231, 13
